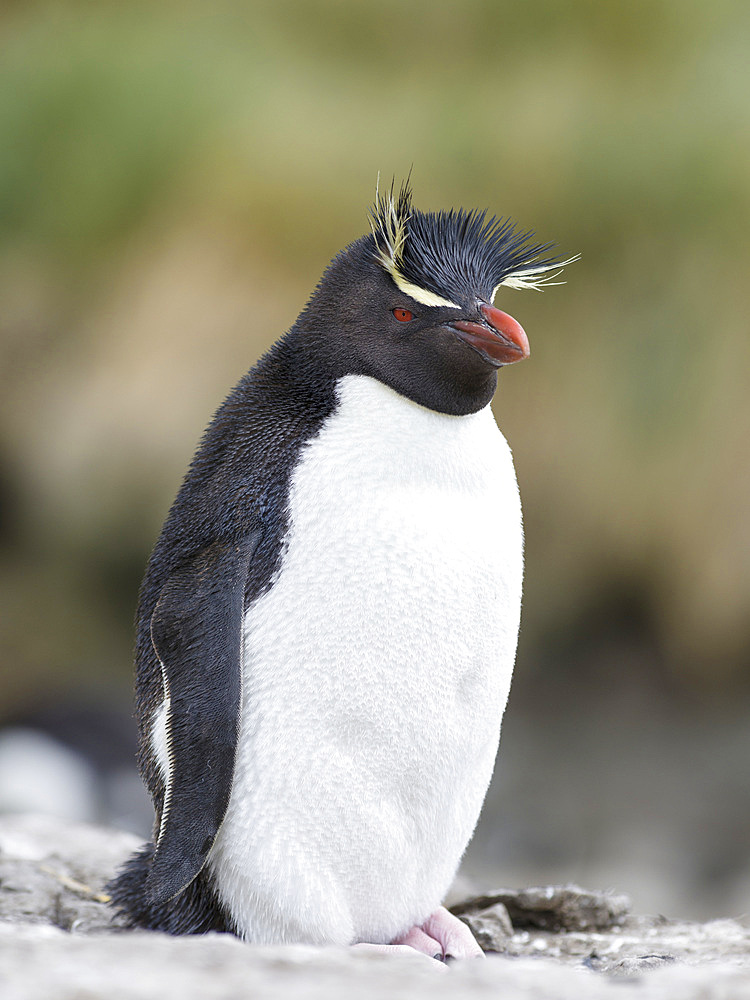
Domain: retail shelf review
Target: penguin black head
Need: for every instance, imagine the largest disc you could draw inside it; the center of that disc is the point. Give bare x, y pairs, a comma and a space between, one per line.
411, 304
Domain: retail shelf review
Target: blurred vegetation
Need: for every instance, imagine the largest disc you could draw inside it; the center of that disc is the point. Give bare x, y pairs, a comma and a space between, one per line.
174, 178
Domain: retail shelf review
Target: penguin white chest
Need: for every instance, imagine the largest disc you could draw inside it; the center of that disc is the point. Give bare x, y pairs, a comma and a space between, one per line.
376, 671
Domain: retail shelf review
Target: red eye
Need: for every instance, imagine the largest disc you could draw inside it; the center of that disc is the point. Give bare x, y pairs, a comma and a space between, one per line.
403, 315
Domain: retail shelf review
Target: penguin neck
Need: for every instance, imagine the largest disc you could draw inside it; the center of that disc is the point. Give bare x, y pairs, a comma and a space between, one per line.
440, 389
312, 360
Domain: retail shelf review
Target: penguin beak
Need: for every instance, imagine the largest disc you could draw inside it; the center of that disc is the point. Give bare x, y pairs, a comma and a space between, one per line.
500, 339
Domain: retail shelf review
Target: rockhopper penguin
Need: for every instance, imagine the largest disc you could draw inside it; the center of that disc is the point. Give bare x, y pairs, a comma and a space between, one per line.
328, 622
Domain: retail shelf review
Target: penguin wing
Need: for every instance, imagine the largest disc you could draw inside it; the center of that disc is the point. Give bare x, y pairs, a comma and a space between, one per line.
196, 630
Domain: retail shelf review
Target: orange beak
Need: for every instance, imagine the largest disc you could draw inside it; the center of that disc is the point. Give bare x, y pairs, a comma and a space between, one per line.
501, 339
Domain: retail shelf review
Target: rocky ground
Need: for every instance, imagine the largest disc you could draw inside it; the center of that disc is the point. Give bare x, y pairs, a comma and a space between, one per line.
57, 940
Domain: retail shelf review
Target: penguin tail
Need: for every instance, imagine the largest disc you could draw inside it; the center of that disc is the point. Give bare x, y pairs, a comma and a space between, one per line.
196, 910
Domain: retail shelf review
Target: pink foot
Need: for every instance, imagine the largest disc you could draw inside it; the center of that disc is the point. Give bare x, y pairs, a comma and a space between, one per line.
419, 940
452, 934
442, 936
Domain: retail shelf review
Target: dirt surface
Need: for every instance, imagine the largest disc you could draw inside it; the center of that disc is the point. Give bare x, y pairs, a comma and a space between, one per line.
57, 939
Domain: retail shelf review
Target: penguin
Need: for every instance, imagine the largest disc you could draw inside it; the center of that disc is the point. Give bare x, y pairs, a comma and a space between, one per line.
327, 626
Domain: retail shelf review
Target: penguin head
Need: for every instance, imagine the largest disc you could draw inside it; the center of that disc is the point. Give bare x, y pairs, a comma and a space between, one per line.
412, 303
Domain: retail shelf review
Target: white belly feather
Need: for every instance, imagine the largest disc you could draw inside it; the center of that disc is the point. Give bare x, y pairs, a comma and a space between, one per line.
376, 671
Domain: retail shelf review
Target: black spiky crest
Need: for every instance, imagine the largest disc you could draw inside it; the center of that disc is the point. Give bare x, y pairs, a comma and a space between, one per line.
456, 254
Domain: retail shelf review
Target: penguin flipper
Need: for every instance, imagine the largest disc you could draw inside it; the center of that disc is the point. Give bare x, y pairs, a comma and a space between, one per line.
196, 630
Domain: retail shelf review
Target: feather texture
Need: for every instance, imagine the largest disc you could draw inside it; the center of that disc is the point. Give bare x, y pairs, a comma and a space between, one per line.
445, 258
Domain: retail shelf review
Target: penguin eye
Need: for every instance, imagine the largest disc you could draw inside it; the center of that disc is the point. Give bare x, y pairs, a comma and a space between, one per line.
403, 315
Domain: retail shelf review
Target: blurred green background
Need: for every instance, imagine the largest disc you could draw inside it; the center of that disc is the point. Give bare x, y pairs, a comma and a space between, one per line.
174, 178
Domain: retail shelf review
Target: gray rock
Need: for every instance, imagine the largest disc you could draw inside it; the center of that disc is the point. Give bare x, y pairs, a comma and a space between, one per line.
39, 963
553, 908
57, 940
631, 968
54, 872
491, 927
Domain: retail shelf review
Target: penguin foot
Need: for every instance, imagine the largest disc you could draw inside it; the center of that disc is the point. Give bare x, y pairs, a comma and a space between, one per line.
442, 937
419, 940
451, 935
